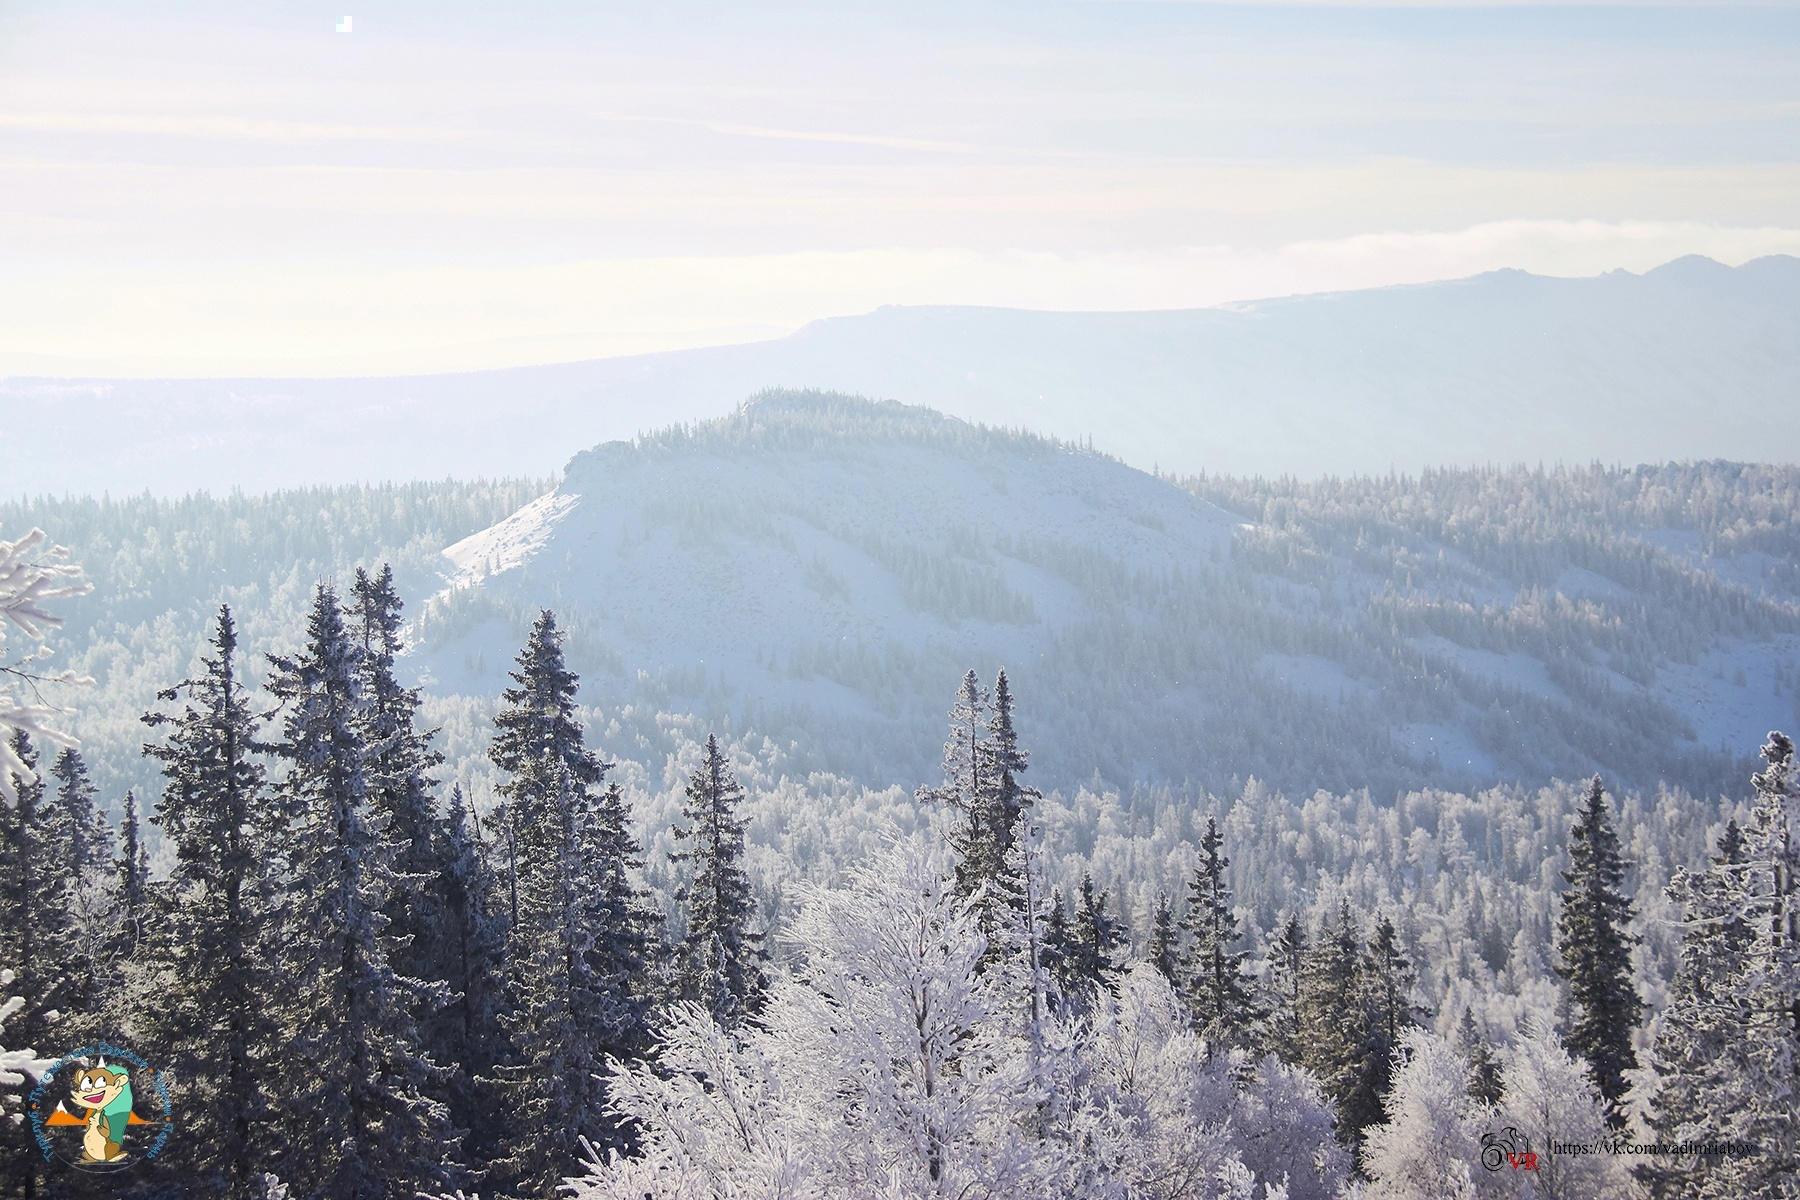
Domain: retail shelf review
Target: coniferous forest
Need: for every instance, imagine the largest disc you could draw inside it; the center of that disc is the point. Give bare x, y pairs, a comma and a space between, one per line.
354, 982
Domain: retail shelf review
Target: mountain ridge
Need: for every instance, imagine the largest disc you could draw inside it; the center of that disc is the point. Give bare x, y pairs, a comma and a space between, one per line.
1687, 361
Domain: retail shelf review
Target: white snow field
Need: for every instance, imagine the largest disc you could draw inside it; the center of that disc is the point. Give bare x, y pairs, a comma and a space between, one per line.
1691, 360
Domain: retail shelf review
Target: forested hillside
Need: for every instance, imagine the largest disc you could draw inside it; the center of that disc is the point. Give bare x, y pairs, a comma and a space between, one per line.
811, 570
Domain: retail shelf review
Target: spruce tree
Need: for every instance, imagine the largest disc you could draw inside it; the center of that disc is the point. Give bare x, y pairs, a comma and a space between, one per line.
355, 1088
82, 833
35, 934
1385, 982
982, 765
720, 957
1332, 1020
1702, 1033
212, 939
1092, 952
80, 843
134, 876
1281, 1031
577, 955
466, 1036
1594, 943
1215, 978
1484, 1068
1164, 952
398, 778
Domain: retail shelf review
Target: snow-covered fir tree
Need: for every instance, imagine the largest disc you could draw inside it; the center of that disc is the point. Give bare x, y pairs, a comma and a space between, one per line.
1216, 978
1726, 1054
1332, 1031
361, 1123
720, 957
983, 763
1282, 1033
578, 954
133, 869
212, 939
1164, 950
1384, 1011
1484, 1068
466, 1037
1594, 941
398, 769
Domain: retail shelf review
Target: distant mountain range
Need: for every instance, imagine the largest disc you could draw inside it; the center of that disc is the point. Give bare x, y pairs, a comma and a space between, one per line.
1692, 360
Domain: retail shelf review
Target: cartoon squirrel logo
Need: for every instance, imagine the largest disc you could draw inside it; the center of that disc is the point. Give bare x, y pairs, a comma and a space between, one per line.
105, 1093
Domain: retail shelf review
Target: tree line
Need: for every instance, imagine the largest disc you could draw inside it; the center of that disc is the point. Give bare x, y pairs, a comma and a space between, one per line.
356, 986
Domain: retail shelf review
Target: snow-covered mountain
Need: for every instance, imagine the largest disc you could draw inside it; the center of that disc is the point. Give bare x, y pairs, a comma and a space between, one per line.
1692, 360
822, 570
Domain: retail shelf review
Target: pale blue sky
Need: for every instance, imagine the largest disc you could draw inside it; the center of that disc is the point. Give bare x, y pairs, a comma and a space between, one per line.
197, 189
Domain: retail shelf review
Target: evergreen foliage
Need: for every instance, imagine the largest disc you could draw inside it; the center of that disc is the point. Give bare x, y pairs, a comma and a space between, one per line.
1216, 979
1594, 943
720, 964
359, 1116
212, 952
579, 952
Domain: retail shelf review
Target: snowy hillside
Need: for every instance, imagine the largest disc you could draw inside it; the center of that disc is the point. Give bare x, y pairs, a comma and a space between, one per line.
1693, 360
822, 570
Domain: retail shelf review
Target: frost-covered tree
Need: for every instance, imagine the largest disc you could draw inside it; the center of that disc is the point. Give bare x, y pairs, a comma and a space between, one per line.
1386, 1011
1484, 1068
133, 868
33, 573
1288, 956
1726, 1056
1216, 977
1088, 947
1331, 1018
1550, 1097
877, 1072
355, 1097
1164, 950
466, 1036
1429, 1147
16, 1066
397, 771
211, 953
983, 763
720, 957
577, 955
1593, 941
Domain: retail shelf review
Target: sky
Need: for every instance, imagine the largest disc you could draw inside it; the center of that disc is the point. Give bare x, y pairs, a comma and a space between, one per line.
241, 189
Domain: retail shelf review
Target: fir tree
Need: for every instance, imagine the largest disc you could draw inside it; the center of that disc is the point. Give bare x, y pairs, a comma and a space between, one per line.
214, 939
35, 933
1090, 956
398, 778
1484, 1068
134, 873
82, 833
1164, 952
1282, 1031
1384, 983
467, 1036
1594, 944
1332, 1020
355, 1089
720, 957
80, 846
1215, 978
577, 955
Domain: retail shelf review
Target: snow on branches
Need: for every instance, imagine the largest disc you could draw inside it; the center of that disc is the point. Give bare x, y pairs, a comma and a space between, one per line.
32, 574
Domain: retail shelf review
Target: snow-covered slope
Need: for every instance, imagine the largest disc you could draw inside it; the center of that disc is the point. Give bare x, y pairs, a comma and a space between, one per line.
822, 570
1692, 360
